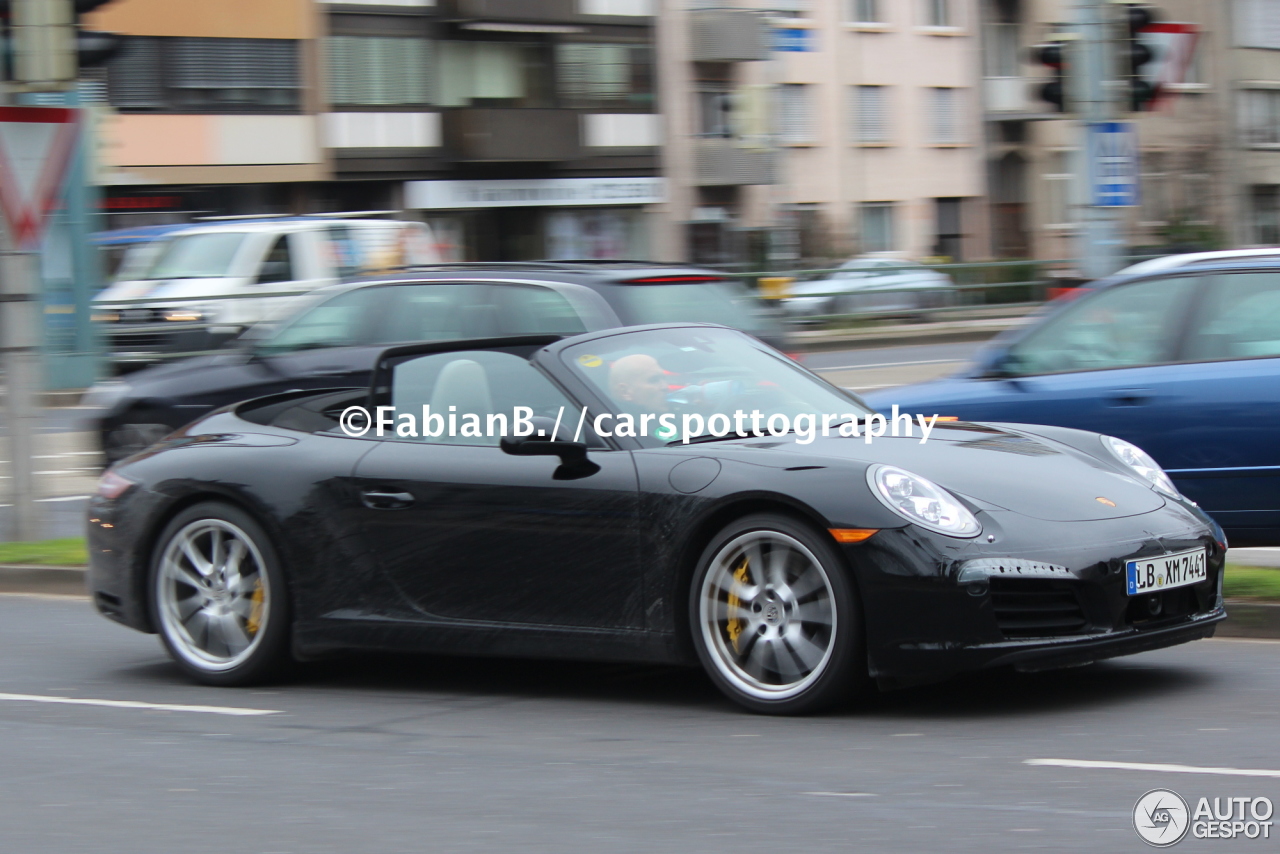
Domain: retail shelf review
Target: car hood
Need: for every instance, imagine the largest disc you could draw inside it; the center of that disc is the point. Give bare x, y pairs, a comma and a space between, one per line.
1010, 470
164, 289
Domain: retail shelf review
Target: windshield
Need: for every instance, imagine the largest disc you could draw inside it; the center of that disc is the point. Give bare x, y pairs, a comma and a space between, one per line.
196, 256
709, 375
704, 302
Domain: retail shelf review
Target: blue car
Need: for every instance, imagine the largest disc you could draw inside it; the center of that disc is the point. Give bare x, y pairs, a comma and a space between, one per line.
1184, 363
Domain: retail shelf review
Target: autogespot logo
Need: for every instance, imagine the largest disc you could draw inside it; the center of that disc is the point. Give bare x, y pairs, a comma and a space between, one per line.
1161, 818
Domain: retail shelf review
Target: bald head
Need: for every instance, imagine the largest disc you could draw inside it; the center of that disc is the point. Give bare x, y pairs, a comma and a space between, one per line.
638, 379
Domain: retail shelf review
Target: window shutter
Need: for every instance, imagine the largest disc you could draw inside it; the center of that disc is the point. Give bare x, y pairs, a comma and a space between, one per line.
872, 114
133, 76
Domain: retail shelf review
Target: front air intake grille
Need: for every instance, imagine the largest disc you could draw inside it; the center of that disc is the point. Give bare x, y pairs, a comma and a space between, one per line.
1036, 607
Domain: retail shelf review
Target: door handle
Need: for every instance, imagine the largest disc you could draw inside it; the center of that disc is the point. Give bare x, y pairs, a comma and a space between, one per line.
1128, 397
376, 499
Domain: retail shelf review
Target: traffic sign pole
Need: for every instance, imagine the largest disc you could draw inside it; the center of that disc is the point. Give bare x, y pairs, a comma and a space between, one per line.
1101, 241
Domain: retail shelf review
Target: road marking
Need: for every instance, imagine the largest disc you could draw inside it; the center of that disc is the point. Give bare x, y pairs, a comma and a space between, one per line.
59, 498
135, 704
1151, 766
888, 365
842, 794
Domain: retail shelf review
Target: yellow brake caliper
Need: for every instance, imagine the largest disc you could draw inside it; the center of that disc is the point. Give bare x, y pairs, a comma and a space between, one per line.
734, 626
255, 613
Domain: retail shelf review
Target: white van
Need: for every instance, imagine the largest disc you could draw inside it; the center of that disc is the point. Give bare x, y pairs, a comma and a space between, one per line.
198, 287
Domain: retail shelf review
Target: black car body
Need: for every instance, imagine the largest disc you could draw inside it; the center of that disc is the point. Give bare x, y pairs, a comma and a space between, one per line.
589, 553
338, 332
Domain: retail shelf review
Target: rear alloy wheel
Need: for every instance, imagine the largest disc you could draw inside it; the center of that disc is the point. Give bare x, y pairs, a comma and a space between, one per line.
218, 597
775, 618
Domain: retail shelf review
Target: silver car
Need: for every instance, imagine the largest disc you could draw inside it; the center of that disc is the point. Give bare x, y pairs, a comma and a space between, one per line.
864, 286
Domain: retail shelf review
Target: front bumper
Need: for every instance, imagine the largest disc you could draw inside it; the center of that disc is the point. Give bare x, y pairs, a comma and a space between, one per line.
923, 621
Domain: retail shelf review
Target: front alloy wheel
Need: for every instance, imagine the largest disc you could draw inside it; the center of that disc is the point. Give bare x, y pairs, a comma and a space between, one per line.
218, 597
774, 616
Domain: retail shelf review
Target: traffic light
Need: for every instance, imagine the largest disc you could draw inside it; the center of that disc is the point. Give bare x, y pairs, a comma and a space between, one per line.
1135, 53
43, 46
1054, 55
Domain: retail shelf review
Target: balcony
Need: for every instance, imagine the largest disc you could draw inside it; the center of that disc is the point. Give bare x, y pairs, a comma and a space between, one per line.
1005, 94
719, 162
533, 11
507, 134
728, 35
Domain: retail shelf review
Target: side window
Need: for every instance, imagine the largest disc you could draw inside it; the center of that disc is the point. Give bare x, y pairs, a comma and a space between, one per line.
483, 387
1240, 318
531, 310
346, 320
1121, 327
278, 266
435, 313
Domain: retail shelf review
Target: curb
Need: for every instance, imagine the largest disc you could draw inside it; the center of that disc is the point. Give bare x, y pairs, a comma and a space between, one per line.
57, 580
1247, 619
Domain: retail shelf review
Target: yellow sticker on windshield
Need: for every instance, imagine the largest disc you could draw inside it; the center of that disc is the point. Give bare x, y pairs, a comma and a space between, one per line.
589, 361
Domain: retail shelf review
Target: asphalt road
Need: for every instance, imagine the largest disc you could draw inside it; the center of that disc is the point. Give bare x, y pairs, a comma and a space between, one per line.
405, 754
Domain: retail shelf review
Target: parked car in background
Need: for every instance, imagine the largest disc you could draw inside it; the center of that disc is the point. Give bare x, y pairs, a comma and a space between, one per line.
1183, 363
196, 288
871, 285
333, 339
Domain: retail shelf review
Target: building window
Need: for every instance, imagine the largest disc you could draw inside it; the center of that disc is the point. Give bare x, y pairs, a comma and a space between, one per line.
795, 113
1266, 214
877, 226
865, 12
715, 110
205, 75
495, 74
605, 75
1057, 191
1000, 51
1260, 116
869, 106
945, 116
1257, 23
378, 71
937, 13
1156, 206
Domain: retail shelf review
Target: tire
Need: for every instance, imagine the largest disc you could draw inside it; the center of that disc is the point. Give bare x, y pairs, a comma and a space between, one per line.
783, 639
222, 611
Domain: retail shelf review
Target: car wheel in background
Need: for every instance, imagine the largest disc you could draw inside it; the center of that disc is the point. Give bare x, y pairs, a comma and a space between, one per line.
218, 596
775, 618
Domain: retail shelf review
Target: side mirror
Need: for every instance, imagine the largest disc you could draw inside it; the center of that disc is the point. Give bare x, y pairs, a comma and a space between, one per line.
573, 455
996, 363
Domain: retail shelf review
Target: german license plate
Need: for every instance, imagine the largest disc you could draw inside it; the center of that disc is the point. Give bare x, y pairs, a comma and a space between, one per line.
1153, 574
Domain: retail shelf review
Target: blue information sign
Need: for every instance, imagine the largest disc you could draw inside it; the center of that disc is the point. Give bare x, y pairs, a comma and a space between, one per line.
1113, 164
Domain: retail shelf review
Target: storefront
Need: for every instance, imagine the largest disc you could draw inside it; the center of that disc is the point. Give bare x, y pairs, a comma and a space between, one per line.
538, 218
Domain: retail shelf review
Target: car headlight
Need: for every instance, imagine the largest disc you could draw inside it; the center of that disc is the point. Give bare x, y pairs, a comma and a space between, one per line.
922, 501
183, 315
1140, 461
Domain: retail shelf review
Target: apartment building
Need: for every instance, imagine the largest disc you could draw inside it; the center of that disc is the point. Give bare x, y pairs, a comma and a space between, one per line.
212, 107
517, 129
1209, 149
855, 130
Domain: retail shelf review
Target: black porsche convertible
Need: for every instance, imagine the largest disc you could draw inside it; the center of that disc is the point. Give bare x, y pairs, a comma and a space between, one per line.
671, 493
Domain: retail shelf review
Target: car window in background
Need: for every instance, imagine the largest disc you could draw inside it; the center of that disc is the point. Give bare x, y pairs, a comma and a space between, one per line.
278, 265
704, 302
436, 313
197, 256
347, 320
479, 382
531, 310
1121, 327
1240, 318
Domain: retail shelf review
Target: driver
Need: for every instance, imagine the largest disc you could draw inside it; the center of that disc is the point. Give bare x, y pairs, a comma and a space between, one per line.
639, 382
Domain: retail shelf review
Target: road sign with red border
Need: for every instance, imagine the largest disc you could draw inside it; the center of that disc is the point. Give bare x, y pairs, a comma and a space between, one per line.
36, 144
